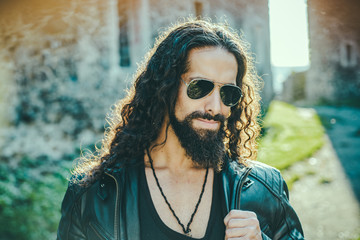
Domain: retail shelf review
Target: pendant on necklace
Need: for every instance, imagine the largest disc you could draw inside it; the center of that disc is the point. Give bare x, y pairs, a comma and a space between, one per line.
188, 233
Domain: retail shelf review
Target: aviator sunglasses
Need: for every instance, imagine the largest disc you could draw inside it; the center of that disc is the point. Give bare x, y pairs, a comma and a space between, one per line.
199, 88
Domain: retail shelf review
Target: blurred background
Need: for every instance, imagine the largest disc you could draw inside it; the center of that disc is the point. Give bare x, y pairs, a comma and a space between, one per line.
64, 63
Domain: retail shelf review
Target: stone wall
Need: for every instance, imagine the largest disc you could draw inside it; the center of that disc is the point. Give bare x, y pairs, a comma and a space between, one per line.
250, 18
334, 31
63, 60
294, 87
5, 93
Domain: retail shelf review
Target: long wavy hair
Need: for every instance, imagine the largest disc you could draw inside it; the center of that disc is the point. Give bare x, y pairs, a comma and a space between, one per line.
136, 120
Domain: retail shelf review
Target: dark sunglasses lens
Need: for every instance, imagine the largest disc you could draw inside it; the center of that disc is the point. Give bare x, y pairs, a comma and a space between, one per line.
230, 95
199, 88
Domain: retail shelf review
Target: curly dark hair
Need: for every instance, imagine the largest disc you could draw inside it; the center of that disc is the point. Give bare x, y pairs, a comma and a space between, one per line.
136, 120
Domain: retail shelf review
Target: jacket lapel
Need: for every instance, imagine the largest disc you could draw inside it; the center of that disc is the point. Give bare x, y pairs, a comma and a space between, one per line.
233, 177
131, 206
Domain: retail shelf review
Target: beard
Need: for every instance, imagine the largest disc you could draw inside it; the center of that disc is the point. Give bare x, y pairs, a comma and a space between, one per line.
205, 147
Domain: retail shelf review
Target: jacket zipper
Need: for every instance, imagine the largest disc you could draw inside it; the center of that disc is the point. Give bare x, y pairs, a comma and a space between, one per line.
116, 207
239, 188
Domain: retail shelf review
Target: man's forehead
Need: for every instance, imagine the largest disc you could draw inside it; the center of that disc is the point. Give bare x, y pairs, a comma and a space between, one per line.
212, 63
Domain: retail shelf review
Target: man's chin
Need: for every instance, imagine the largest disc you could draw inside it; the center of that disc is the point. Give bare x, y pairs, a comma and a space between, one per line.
205, 134
205, 146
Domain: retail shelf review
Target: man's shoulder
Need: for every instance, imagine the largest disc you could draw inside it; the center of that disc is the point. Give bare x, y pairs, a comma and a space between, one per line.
263, 174
269, 176
78, 185
108, 181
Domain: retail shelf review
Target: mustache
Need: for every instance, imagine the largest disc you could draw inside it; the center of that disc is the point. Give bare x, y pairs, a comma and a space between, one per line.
207, 116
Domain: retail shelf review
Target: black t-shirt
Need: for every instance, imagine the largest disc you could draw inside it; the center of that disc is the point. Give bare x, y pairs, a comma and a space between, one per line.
152, 227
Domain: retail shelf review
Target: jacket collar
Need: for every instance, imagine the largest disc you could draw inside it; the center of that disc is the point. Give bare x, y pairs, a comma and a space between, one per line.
233, 177
132, 208
127, 222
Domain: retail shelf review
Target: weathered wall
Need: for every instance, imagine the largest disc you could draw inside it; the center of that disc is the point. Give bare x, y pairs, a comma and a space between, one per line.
294, 87
334, 31
63, 59
62, 62
248, 17
5, 93
252, 19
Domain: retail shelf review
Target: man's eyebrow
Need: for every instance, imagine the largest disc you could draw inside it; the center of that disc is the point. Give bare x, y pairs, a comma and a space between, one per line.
192, 78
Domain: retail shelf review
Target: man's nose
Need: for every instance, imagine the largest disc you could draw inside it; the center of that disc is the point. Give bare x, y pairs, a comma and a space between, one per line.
213, 102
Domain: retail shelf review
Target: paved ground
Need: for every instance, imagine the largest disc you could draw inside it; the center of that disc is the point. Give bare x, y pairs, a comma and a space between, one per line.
343, 128
325, 196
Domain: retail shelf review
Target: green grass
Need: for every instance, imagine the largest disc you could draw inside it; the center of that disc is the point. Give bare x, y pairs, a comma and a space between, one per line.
290, 135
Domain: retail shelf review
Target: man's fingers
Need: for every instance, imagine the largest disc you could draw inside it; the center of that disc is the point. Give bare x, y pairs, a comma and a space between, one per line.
235, 232
241, 223
249, 232
236, 222
238, 214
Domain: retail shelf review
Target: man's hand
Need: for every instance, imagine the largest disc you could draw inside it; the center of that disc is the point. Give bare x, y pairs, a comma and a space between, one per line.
242, 225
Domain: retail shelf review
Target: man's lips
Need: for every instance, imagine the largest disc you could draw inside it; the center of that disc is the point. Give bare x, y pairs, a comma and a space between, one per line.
207, 123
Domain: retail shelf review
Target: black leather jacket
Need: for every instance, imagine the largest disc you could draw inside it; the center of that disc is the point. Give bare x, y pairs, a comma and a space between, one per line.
108, 209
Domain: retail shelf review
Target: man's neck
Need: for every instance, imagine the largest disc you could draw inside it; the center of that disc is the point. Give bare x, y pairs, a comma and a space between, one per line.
170, 155
180, 180
182, 189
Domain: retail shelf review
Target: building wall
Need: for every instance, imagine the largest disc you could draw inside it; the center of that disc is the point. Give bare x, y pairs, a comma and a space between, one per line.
334, 32
61, 60
5, 93
247, 17
294, 87
252, 19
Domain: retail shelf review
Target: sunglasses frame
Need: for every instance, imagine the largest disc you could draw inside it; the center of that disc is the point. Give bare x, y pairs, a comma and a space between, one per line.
214, 83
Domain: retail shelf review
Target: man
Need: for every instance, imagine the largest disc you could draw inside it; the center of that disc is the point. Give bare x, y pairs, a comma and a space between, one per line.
175, 162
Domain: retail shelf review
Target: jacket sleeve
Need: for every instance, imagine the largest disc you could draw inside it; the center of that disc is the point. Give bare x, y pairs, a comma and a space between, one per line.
289, 226
70, 225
